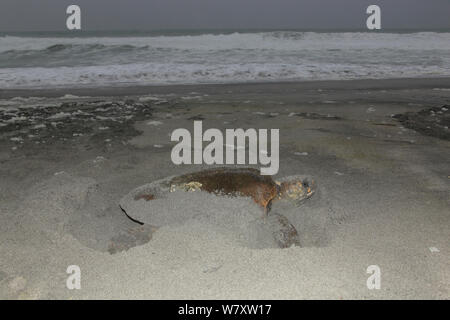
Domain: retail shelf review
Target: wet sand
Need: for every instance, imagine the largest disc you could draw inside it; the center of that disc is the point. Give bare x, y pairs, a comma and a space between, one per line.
68, 156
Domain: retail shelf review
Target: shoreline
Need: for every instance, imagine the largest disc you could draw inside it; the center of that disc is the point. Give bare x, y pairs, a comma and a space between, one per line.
217, 88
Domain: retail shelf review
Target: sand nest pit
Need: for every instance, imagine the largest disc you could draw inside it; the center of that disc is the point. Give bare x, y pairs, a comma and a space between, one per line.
233, 202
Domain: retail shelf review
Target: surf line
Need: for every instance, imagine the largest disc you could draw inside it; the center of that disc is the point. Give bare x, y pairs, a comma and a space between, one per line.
189, 150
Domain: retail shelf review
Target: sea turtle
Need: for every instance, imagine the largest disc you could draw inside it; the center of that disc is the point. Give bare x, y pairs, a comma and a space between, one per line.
234, 182
244, 182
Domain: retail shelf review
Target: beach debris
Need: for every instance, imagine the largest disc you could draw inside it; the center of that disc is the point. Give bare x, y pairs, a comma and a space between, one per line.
91, 121
434, 249
198, 117
301, 153
317, 116
39, 126
99, 159
149, 98
192, 98
431, 122
384, 124
370, 110
60, 115
154, 123
338, 173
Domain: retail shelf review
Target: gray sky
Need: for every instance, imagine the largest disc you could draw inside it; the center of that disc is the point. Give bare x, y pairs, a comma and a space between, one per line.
39, 15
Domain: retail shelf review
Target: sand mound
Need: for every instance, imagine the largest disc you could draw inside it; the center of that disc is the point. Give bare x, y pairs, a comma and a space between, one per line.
50, 205
71, 204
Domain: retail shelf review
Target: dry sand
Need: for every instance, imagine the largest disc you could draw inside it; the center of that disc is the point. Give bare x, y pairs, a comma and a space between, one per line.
383, 194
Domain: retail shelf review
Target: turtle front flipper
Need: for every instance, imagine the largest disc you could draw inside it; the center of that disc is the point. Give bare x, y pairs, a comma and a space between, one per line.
280, 229
285, 235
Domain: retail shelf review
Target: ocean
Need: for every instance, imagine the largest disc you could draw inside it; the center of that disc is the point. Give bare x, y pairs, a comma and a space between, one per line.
94, 59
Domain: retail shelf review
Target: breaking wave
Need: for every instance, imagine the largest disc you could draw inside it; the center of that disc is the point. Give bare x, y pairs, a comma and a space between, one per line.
207, 58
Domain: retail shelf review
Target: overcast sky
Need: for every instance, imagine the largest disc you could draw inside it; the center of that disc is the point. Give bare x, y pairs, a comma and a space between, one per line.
40, 15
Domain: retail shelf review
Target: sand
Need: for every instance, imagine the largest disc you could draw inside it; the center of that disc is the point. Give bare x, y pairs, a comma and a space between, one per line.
382, 194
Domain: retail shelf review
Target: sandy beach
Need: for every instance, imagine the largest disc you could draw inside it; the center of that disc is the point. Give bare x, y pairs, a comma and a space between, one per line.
68, 156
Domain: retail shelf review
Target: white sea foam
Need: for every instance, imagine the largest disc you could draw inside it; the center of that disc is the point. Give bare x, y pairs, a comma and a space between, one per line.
220, 58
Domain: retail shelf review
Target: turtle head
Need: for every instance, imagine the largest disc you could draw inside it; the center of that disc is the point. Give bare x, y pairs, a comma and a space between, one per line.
296, 190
